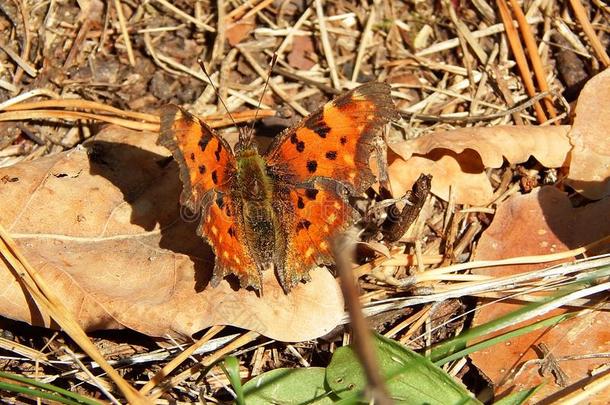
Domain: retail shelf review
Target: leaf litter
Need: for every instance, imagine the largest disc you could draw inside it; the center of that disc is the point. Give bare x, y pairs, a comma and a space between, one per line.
107, 239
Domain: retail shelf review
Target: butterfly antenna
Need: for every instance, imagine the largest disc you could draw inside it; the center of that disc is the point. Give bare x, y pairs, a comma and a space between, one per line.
205, 72
260, 100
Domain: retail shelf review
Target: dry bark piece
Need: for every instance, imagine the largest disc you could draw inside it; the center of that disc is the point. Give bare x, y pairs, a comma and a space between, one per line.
458, 158
538, 223
399, 221
590, 158
103, 225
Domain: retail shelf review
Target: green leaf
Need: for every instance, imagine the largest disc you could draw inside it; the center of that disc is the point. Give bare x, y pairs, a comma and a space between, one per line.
410, 378
297, 386
40, 390
230, 366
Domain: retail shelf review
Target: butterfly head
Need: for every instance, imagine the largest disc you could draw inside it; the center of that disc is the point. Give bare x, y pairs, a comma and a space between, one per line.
245, 141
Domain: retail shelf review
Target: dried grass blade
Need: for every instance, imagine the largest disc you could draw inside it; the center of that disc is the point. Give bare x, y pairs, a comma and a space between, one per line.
581, 16
211, 359
515, 45
328, 50
82, 105
364, 42
532, 51
169, 367
76, 115
124, 32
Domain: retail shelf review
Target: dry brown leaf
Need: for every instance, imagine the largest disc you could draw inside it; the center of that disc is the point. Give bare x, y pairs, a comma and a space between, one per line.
238, 31
103, 225
458, 158
541, 222
590, 157
302, 54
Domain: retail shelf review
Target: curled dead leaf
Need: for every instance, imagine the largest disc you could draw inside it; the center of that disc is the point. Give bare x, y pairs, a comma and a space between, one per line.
457, 159
103, 225
590, 158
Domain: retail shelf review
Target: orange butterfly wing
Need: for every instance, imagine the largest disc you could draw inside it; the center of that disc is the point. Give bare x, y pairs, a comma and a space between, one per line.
321, 213
337, 140
224, 234
207, 167
326, 156
205, 159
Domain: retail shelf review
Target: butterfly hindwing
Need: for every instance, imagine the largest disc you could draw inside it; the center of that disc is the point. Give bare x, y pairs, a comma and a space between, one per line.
320, 211
224, 232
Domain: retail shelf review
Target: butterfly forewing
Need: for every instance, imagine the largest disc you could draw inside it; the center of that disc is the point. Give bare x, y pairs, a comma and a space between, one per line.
205, 159
336, 141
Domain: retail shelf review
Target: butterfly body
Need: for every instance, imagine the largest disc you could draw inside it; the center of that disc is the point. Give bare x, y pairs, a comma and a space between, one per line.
279, 209
252, 191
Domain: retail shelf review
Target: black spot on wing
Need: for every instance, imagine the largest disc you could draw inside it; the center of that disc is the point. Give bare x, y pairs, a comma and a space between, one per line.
232, 231
322, 130
219, 201
311, 193
331, 155
217, 152
303, 224
201, 169
214, 177
312, 166
300, 145
343, 140
300, 203
203, 142
316, 123
192, 156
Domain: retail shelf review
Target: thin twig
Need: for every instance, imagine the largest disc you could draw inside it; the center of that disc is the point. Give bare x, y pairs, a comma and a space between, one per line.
343, 249
474, 118
291, 31
364, 42
532, 51
176, 361
124, 31
581, 16
328, 51
211, 359
25, 50
276, 89
515, 45
185, 16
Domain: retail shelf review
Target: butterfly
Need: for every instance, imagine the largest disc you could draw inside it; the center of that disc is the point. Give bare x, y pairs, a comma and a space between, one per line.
278, 209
